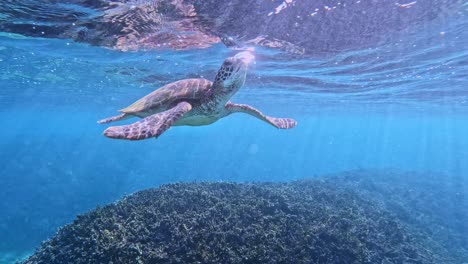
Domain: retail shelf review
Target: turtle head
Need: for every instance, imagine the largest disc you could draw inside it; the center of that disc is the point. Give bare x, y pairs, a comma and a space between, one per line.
231, 75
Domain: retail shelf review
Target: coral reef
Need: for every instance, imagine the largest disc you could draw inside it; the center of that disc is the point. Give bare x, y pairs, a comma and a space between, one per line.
432, 206
336, 219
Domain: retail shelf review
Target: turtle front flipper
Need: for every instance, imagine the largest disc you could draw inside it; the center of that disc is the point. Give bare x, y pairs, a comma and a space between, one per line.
151, 126
283, 123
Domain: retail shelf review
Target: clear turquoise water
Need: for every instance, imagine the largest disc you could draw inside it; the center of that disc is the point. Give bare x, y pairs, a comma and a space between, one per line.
401, 105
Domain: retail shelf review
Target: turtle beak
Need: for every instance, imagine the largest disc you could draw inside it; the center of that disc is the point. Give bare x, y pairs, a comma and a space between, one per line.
246, 57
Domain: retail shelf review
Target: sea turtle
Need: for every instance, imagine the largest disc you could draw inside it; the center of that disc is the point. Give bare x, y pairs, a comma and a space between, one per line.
190, 102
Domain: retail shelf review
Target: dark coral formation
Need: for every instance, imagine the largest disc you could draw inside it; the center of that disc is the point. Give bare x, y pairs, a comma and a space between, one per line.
434, 207
296, 26
331, 220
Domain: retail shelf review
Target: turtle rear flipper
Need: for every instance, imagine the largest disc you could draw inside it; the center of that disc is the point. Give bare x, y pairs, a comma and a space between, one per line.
151, 126
282, 123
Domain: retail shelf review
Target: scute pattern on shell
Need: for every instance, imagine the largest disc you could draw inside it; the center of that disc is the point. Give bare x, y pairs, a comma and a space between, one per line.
164, 97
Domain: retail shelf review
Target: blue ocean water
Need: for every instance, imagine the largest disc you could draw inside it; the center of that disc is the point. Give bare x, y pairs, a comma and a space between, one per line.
400, 105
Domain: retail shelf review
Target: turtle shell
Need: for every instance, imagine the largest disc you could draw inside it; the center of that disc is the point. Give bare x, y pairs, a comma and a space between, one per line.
190, 90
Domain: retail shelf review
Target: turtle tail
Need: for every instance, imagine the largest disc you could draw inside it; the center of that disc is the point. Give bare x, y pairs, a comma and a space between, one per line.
114, 118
